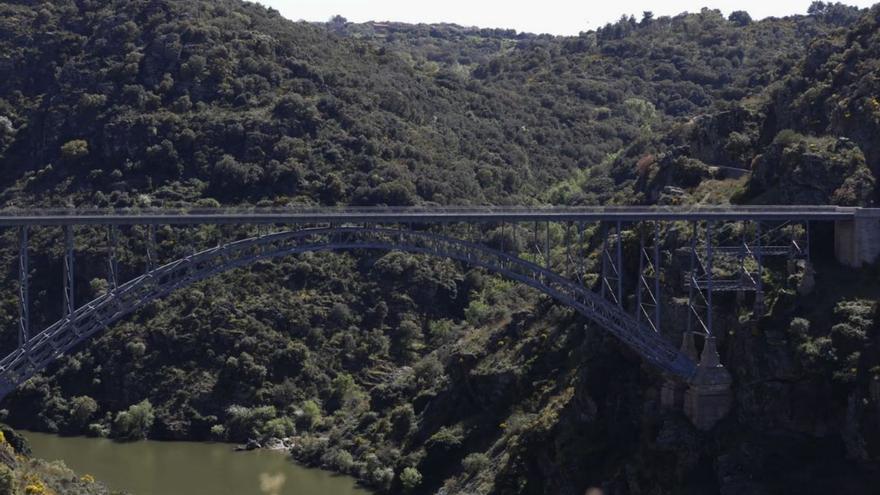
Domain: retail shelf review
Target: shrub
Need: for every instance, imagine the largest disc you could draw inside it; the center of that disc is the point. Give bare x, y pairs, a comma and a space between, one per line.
382, 477
402, 420
446, 438
282, 427
245, 423
134, 423
218, 432
799, 327
100, 430
74, 150
410, 478
7, 480
81, 411
343, 461
343, 388
740, 18
474, 463
311, 415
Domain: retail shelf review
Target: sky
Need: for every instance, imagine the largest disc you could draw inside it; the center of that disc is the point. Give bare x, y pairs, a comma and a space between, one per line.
563, 17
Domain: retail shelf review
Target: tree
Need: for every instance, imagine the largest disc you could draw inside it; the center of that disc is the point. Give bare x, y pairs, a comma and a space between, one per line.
343, 388
403, 418
311, 415
817, 8
74, 150
245, 423
740, 18
82, 409
135, 422
410, 478
476, 462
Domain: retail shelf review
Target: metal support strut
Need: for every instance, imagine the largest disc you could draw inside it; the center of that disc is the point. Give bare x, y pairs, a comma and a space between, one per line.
23, 301
69, 303
612, 265
112, 263
648, 283
151, 247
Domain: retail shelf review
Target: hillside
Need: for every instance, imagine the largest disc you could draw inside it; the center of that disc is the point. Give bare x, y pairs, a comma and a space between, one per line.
384, 364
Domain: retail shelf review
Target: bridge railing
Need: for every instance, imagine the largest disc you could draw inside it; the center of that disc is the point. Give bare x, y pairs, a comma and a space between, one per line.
17, 216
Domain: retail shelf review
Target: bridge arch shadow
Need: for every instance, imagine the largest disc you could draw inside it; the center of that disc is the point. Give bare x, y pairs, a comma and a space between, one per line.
107, 309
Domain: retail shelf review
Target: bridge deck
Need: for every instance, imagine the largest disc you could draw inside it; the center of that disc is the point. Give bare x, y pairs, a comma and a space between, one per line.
317, 215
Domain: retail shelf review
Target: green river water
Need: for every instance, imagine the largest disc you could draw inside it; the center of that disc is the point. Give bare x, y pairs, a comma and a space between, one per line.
186, 468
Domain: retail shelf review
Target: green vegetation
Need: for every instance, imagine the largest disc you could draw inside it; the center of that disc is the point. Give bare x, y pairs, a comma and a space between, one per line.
22, 475
135, 422
416, 374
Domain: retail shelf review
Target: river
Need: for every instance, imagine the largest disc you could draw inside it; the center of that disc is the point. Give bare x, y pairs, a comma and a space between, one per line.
187, 468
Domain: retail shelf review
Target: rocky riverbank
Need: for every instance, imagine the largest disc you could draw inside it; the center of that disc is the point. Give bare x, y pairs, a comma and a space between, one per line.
22, 474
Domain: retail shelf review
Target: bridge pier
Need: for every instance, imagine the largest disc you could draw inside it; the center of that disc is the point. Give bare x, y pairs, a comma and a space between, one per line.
672, 392
857, 240
708, 397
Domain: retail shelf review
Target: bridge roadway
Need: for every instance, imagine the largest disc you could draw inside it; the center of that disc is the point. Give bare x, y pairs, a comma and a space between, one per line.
425, 214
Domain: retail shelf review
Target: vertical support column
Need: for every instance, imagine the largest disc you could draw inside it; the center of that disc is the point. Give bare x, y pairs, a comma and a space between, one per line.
657, 301
641, 281
69, 303
151, 247
515, 246
648, 280
569, 261
709, 278
23, 299
547, 247
112, 263
742, 255
692, 286
619, 263
502, 238
808, 278
759, 280
612, 265
582, 254
709, 396
604, 281
536, 243
807, 240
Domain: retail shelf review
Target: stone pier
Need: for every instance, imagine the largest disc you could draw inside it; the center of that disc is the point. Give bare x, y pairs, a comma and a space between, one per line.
708, 397
857, 241
673, 390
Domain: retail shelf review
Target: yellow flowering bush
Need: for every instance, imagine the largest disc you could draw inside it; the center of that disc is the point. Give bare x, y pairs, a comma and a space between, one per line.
36, 488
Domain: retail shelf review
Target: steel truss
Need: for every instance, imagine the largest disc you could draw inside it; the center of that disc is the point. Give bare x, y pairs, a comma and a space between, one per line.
126, 298
561, 274
744, 262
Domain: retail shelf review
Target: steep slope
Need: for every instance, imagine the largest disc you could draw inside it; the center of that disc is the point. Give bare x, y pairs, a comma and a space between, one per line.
397, 368
809, 138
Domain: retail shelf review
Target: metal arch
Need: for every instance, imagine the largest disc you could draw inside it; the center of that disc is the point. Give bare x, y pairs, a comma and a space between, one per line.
107, 309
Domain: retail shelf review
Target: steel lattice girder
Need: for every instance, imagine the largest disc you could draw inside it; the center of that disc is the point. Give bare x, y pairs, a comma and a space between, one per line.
105, 310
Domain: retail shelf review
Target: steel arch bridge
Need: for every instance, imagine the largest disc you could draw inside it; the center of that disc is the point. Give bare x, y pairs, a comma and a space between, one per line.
631, 312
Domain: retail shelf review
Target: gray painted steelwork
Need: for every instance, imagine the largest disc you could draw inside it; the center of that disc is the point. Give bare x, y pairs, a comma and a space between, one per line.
423, 230
107, 309
178, 216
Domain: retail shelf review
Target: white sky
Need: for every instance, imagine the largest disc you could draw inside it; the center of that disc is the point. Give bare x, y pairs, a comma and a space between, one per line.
567, 17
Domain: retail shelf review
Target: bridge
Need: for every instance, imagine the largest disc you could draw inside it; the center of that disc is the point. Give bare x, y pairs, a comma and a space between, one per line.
619, 267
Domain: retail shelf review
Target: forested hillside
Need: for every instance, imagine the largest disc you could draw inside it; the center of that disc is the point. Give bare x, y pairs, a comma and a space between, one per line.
416, 374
